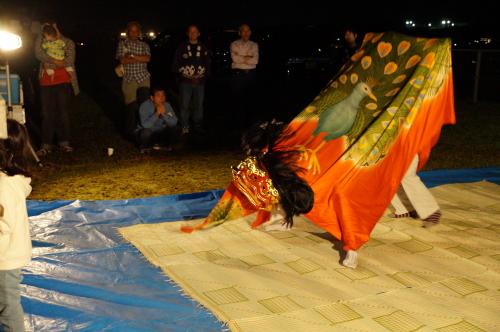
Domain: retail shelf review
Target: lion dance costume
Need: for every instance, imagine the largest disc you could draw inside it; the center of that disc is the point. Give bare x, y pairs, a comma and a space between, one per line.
356, 139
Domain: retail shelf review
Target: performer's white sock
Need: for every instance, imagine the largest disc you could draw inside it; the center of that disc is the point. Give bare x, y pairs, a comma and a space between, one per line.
351, 259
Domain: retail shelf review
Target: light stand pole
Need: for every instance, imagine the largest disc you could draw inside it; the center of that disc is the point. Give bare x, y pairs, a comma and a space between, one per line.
9, 91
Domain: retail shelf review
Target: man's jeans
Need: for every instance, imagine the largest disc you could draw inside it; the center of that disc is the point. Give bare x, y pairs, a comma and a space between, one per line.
191, 95
11, 311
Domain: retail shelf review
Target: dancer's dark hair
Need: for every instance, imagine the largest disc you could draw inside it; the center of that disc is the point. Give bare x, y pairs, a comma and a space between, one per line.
262, 140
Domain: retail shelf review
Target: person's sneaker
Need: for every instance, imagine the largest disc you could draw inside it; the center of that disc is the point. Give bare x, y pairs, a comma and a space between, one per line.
185, 130
43, 152
432, 220
159, 147
67, 148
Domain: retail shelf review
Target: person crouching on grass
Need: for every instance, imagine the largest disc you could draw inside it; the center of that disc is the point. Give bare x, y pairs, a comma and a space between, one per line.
15, 241
157, 123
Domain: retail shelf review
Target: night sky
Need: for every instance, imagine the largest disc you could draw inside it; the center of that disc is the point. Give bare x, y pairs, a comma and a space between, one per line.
376, 15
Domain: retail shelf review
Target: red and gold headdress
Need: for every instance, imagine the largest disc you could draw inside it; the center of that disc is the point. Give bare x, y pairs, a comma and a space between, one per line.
255, 183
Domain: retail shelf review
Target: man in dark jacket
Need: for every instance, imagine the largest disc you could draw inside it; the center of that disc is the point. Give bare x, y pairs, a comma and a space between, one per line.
192, 64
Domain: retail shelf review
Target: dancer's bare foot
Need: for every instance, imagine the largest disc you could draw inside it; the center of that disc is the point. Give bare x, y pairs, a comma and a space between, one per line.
351, 259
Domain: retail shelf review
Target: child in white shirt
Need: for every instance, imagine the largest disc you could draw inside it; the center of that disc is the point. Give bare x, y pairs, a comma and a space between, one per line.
15, 241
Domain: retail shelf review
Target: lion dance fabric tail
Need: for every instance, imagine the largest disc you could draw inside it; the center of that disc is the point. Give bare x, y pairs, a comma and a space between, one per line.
360, 134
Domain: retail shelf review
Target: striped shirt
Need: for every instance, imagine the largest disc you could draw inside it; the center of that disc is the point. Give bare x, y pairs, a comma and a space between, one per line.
134, 71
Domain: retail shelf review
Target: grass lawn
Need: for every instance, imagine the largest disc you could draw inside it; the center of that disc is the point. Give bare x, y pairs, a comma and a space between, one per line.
89, 174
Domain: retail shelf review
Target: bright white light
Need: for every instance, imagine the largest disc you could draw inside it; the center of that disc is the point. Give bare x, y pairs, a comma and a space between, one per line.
151, 34
448, 22
9, 41
82, 44
319, 49
123, 34
443, 22
455, 44
413, 25
453, 24
429, 24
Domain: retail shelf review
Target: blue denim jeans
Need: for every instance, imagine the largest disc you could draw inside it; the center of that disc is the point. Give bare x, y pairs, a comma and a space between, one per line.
11, 311
191, 95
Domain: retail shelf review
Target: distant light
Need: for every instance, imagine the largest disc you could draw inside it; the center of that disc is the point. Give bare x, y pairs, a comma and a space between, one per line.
82, 44
429, 24
455, 44
151, 34
448, 22
9, 41
453, 24
443, 22
288, 71
319, 49
413, 25
123, 34
338, 39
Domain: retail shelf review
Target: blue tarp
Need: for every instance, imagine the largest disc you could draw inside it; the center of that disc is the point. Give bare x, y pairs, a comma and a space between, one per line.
85, 277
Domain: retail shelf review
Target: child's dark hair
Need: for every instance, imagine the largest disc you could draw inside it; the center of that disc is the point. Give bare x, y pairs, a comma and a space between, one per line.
156, 89
49, 30
296, 196
15, 153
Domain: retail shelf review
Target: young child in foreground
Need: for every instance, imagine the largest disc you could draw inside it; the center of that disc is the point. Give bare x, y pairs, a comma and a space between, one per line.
15, 241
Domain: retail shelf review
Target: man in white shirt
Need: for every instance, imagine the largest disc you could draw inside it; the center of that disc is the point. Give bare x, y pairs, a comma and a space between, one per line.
245, 57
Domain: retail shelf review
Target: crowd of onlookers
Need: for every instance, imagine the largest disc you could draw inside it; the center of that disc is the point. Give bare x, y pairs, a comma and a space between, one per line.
157, 122
148, 116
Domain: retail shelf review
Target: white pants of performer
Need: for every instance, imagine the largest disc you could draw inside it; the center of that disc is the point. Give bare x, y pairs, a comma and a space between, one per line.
414, 195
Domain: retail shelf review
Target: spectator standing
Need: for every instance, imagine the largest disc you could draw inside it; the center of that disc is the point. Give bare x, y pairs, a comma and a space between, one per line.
192, 65
134, 54
245, 58
56, 90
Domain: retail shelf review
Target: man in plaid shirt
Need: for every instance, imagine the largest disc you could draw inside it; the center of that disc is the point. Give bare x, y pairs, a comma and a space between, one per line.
134, 55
